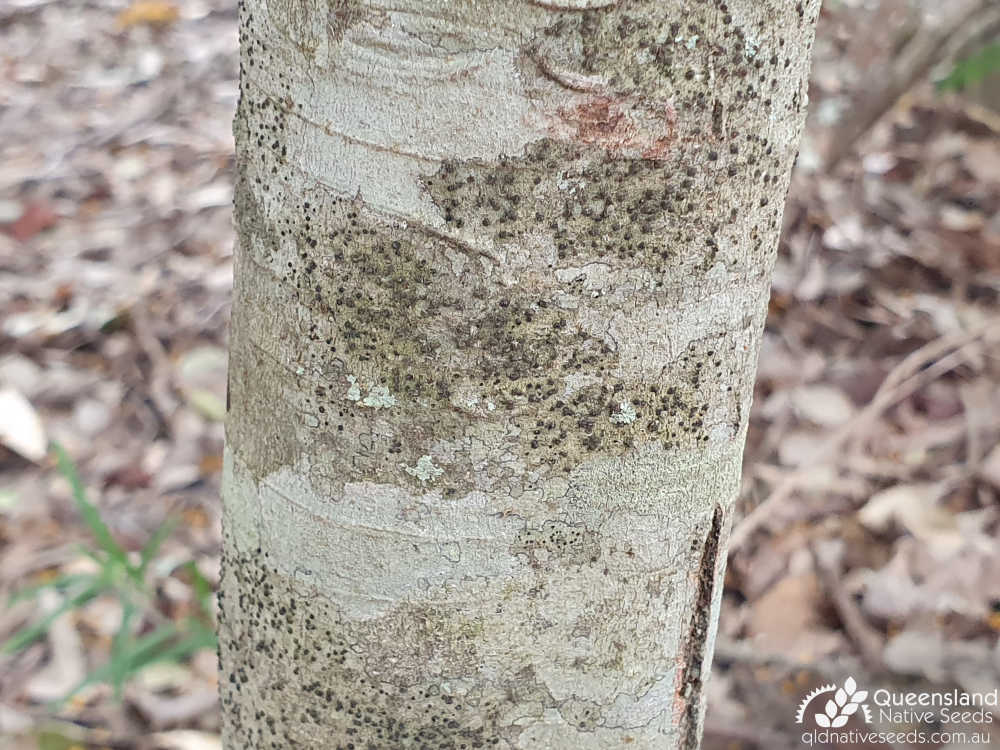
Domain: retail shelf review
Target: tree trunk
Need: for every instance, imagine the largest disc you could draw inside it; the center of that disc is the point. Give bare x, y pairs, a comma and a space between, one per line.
502, 273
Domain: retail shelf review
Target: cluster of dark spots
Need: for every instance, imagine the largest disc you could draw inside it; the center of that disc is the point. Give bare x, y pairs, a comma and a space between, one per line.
600, 208
583, 715
526, 352
610, 40
517, 339
370, 280
593, 205
557, 543
702, 378
384, 303
310, 686
673, 411
677, 55
262, 121
669, 216
578, 423
374, 296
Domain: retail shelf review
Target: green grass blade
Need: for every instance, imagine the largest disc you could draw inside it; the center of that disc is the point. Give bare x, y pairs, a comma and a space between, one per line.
199, 637
202, 589
152, 546
59, 583
30, 634
139, 653
973, 69
118, 664
91, 515
151, 649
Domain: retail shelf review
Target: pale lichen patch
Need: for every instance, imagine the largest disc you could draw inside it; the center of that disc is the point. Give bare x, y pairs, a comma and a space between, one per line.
425, 470
354, 392
626, 413
379, 398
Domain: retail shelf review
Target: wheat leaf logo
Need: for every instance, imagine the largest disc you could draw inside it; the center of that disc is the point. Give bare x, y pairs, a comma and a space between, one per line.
838, 710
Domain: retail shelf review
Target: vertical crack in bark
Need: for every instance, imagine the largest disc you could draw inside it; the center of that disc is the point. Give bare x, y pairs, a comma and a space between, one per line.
691, 682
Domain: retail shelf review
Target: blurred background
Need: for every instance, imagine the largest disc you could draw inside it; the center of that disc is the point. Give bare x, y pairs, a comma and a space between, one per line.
871, 499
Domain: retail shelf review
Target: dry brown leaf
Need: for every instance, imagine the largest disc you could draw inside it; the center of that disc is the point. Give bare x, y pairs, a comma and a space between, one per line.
156, 13
822, 405
990, 469
165, 711
914, 507
66, 666
34, 217
786, 619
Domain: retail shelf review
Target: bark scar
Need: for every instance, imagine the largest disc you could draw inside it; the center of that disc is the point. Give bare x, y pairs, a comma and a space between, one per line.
689, 699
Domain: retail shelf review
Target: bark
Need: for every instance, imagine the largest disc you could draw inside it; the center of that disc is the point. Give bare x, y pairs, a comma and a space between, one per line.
502, 273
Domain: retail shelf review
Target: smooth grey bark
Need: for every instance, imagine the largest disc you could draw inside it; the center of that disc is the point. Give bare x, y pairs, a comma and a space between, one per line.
502, 273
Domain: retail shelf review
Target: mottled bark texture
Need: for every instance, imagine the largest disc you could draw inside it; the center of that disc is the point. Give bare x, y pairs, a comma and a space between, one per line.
502, 273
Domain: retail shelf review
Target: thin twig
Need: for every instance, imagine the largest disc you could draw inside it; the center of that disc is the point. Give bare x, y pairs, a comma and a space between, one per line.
909, 376
927, 47
159, 384
868, 640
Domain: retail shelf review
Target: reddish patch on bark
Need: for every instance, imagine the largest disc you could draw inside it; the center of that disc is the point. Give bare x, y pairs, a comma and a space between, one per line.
622, 126
597, 120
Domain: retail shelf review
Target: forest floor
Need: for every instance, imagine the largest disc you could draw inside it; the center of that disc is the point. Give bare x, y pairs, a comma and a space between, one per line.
868, 545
